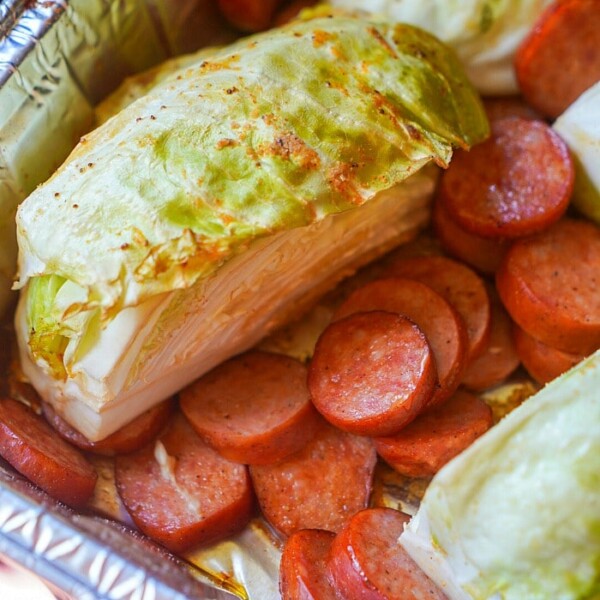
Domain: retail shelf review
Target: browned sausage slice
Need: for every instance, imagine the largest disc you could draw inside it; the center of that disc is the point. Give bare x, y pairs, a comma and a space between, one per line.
501, 107
441, 324
499, 358
483, 254
182, 493
560, 58
372, 373
129, 438
542, 362
366, 561
550, 285
29, 444
460, 286
422, 448
302, 572
249, 15
254, 408
321, 486
517, 182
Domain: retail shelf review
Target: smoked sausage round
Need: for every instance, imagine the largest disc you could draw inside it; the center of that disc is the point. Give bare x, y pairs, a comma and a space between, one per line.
499, 357
366, 561
542, 362
519, 181
483, 254
372, 373
319, 487
422, 448
550, 285
441, 324
182, 493
254, 408
30, 445
303, 573
560, 58
460, 286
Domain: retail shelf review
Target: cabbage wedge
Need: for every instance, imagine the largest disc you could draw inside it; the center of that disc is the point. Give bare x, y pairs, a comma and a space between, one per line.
213, 208
517, 515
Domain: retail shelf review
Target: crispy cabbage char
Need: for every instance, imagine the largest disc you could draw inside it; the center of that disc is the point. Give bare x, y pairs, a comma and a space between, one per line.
276, 133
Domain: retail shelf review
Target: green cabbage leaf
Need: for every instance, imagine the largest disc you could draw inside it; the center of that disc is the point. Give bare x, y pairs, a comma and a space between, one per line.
484, 33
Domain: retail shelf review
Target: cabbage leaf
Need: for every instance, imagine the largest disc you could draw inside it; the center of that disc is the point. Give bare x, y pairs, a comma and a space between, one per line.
484, 33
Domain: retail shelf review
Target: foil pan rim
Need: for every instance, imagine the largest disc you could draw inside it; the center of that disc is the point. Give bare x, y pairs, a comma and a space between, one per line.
59, 546
22, 25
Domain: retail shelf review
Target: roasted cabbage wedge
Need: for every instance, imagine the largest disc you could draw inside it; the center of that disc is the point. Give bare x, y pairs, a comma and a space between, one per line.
517, 515
208, 211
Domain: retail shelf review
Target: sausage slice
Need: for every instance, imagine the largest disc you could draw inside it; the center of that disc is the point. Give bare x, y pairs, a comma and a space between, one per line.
254, 408
366, 561
441, 324
457, 284
319, 487
303, 573
542, 362
129, 438
30, 445
422, 448
560, 58
550, 285
500, 107
499, 358
182, 493
249, 15
372, 373
483, 254
517, 182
